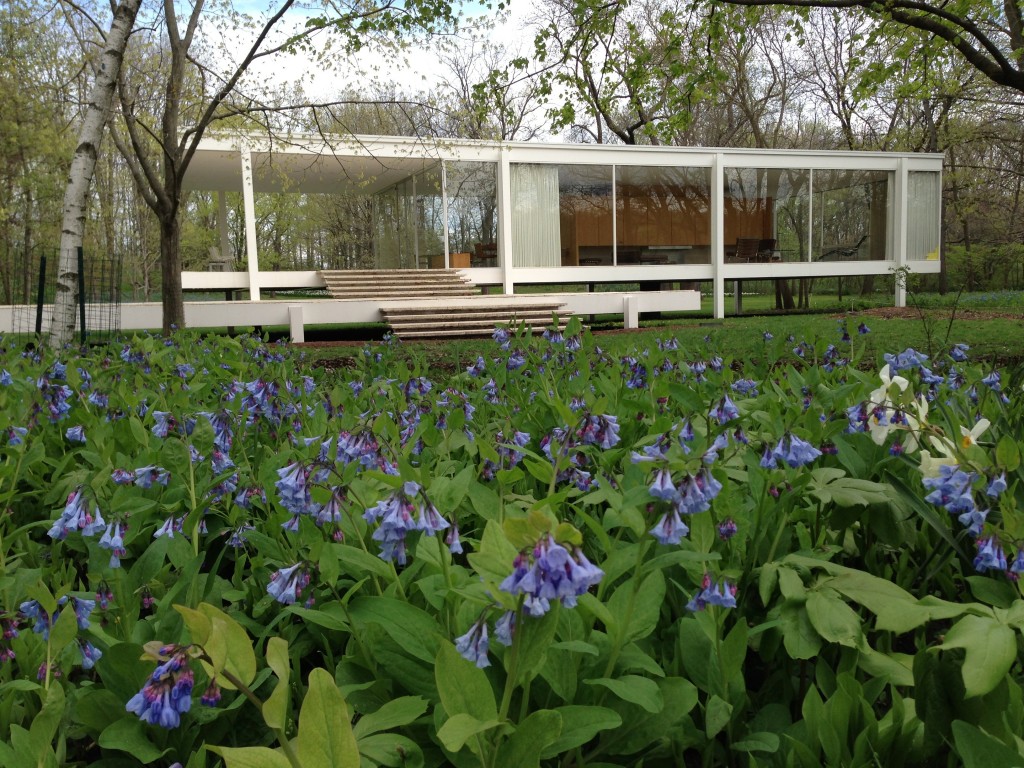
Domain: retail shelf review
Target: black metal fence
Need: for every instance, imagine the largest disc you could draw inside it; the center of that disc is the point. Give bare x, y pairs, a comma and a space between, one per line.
97, 299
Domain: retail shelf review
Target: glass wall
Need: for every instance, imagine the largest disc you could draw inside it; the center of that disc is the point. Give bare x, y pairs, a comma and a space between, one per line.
924, 213
662, 215
770, 206
851, 215
473, 211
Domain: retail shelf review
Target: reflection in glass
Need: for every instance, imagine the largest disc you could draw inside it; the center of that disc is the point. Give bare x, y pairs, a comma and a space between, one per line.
771, 206
472, 211
662, 215
851, 215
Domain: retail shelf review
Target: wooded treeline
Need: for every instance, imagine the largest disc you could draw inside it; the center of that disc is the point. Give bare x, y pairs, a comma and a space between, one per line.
652, 71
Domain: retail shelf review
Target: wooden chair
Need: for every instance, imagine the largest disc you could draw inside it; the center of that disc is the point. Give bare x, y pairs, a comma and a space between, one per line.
746, 249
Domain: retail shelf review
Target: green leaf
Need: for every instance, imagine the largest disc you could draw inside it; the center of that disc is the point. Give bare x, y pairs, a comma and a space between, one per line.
680, 698
634, 689
275, 708
1008, 453
979, 750
229, 646
393, 714
524, 747
534, 642
392, 750
64, 630
637, 607
459, 729
798, 634
415, 630
129, 735
762, 741
462, 686
325, 727
199, 625
251, 757
44, 725
716, 716
493, 560
833, 619
991, 648
580, 724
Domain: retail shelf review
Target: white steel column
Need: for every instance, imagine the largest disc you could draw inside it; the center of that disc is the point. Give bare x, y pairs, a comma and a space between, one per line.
505, 213
444, 209
222, 225
899, 229
718, 236
249, 205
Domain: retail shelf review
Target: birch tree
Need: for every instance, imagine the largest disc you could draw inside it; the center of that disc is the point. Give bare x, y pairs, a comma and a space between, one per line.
83, 168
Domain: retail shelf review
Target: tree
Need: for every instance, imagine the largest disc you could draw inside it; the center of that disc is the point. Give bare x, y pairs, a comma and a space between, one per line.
988, 34
83, 167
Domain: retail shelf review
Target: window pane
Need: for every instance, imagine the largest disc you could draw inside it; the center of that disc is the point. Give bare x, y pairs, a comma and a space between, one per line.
585, 214
851, 215
663, 215
924, 212
472, 210
767, 204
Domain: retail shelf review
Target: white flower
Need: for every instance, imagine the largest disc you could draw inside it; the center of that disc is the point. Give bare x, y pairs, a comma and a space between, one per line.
931, 465
970, 437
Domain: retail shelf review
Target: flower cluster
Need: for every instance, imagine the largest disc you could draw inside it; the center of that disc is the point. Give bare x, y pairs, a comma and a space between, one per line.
691, 494
287, 584
722, 594
167, 694
76, 517
790, 451
550, 572
406, 509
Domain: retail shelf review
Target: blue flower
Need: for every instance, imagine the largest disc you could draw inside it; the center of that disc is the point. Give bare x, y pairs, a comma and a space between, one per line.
746, 387
505, 627
75, 434
959, 352
663, 487
797, 452
473, 645
722, 594
146, 476
997, 486
502, 336
990, 555
15, 435
863, 329
76, 517
553, 574
286, 584
908, 358
167, 694
725, 411
477, 368
670, 529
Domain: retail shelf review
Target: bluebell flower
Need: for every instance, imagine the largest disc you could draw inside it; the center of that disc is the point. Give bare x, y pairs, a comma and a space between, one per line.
477, 368
211, 695
959, 353
720, 443
16, 435
663, 487
993, 381
990, 555
292, 488
146, 476
722, 594
725, 411
473, 645
76, 517
453, 541
75, 434
574, 343
5, 378
90, 653
553, 574
794, 451
767, 336
35, 613
502, 337
287, 584
515, 361
505, 627
997, 485
165, 423
863, 329
169, 527
746, 387
727, 529
1017, 566
167, 694
716, 363
908, 358
602, 431
670, 528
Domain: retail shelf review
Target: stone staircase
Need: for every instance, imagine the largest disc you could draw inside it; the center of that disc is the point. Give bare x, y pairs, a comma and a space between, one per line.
432, 318
437, 303
397, 283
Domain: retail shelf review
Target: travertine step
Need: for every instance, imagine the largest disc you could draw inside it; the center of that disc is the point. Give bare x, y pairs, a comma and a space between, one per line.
384, 284
472, 318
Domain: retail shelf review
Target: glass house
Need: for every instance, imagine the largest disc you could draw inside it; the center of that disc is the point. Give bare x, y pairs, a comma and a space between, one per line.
512, 214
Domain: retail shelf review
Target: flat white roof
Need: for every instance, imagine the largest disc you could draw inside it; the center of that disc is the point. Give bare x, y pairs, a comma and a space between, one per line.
367, 164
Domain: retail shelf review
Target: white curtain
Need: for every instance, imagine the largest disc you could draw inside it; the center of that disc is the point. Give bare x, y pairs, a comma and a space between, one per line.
923, 213
536, 238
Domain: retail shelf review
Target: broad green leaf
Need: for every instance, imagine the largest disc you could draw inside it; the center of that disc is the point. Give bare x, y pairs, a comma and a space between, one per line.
459, 729
680, 697
524, 747
991, 649
252, 757
580, 724
325, 727
636, 607
536, 637
798, 634
415, 630
977, 749
45, 723
229, 646
393, 714
392, 750
1008, 453
717, 714
634, 689
462, 686
275, 708
762, 741
129, 735
64, 630
200, 627
833, 619
494, 559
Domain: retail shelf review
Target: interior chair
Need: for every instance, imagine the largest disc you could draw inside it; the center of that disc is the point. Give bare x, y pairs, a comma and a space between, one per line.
746, 249
765, 249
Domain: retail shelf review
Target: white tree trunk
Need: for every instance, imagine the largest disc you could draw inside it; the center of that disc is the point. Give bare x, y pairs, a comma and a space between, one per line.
83, 166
